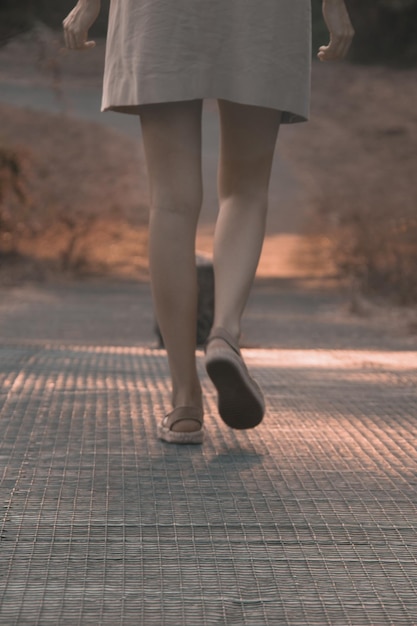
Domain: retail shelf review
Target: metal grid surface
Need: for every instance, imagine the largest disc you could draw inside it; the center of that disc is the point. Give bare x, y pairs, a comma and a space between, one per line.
308, 519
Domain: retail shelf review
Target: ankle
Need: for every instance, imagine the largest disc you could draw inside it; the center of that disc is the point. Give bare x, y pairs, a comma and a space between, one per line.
232, 328
187, 397
220, 338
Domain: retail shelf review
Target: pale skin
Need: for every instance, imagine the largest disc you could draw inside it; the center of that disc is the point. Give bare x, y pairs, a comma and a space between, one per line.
172, 143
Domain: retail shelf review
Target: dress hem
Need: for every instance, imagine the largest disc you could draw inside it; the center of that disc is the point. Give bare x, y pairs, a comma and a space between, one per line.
288, 117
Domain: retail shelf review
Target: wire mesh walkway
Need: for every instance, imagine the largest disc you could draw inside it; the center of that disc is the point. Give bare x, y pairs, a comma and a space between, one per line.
310, 519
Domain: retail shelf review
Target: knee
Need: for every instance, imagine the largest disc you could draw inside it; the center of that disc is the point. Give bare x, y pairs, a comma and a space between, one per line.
248, 184
246, 201
179, 204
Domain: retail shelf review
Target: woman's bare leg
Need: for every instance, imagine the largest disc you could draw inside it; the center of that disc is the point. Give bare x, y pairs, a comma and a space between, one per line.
172, 143
247, 144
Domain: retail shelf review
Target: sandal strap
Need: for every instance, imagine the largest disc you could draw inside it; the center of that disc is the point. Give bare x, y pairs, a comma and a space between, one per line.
183, 413
222, 333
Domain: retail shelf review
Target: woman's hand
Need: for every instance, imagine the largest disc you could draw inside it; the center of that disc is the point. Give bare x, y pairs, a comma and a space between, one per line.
77, 23
340, 29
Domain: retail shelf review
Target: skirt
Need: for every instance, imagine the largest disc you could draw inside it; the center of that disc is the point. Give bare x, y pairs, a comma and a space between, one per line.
255, 52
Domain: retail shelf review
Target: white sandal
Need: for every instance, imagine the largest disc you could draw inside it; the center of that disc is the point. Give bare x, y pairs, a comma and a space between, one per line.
179, 414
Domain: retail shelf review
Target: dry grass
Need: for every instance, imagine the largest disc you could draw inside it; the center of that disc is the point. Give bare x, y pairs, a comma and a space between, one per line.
358, 154
86, 208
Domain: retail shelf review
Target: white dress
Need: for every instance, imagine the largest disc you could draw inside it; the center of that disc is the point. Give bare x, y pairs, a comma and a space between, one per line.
249, 51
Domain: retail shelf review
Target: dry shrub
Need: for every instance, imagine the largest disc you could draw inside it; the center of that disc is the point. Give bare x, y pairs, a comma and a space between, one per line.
358, 156
378, 256
16, 218
75, 198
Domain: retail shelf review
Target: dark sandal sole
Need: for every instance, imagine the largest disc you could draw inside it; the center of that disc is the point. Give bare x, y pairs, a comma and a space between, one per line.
240, 402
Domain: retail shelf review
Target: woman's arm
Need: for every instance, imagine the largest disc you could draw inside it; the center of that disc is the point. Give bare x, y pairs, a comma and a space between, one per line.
77, 23
340, 29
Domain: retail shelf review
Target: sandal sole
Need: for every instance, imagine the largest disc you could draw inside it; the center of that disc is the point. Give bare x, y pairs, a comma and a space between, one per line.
240, 401
172, 436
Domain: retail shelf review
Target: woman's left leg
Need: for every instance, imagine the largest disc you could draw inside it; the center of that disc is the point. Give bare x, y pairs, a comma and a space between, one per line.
172, 143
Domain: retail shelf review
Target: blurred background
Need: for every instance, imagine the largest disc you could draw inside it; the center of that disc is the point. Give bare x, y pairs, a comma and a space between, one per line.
343, 201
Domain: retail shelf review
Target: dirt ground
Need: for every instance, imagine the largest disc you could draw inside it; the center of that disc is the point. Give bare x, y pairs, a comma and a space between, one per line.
358, 149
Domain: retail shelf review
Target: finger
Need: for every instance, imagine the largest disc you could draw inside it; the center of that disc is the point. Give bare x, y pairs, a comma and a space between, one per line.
325, 53
66, 24
82, 42
321, 53
81, 38
341, 50
87, 46
348, 43
336, 45
339, 47
79, 41
345, 49
332, 51
346, 39
66, 38
72, 42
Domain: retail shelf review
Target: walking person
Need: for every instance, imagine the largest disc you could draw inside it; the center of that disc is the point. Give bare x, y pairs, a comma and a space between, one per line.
162, 59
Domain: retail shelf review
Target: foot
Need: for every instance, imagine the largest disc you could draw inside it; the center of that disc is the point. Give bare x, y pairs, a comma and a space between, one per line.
240, 400
187, 399
182, 416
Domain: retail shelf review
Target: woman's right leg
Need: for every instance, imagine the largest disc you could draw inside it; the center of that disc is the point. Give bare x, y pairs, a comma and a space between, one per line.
247, 144
172, 143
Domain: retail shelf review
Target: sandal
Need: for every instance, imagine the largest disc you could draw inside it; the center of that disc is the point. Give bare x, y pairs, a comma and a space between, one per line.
180, 413
241, 403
